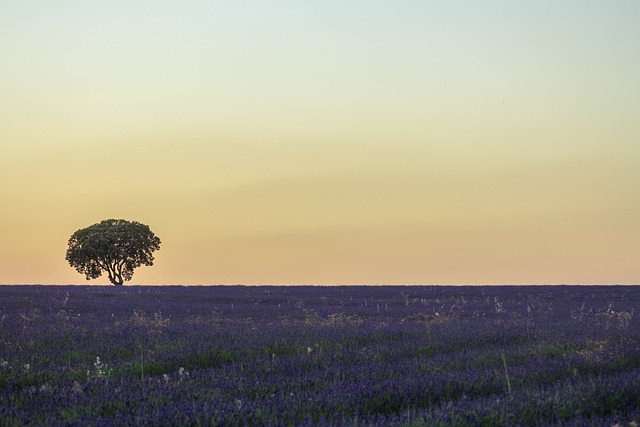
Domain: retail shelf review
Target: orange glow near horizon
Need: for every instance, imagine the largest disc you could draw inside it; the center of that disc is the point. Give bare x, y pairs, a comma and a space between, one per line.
325, 144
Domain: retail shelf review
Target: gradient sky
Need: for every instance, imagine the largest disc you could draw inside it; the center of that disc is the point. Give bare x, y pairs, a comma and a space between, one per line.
493, 141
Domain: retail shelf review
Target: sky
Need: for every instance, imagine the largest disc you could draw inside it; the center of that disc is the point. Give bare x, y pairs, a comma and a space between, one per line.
333, 142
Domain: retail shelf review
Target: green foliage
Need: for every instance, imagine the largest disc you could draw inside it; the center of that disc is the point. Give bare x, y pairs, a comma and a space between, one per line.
116, 246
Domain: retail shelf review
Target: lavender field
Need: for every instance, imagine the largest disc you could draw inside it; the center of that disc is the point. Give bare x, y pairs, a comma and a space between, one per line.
356, 356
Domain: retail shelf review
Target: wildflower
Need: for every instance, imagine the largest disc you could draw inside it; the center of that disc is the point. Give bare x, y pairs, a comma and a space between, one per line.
99, 370
238, 403
182, 373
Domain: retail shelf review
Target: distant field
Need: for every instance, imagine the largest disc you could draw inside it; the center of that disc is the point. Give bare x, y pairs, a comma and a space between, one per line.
268, 355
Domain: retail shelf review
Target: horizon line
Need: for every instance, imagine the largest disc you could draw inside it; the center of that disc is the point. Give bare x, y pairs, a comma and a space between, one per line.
315, 284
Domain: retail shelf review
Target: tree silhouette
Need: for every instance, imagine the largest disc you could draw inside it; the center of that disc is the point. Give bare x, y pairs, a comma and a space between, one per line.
116, 246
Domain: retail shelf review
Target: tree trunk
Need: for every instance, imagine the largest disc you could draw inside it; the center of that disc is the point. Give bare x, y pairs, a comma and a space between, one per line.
116, 279
115, 275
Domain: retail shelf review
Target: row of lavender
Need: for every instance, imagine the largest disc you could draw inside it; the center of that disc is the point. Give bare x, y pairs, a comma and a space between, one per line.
441, 355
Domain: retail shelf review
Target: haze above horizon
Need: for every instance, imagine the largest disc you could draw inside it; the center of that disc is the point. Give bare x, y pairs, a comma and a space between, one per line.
334, 142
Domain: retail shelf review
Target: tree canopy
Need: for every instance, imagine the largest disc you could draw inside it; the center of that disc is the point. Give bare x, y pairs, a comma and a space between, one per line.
116, 246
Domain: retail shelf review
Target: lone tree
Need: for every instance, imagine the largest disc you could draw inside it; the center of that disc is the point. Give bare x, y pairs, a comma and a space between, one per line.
116, 246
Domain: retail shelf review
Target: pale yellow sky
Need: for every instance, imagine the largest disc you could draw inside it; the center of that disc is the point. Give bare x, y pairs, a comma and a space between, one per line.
341, 142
